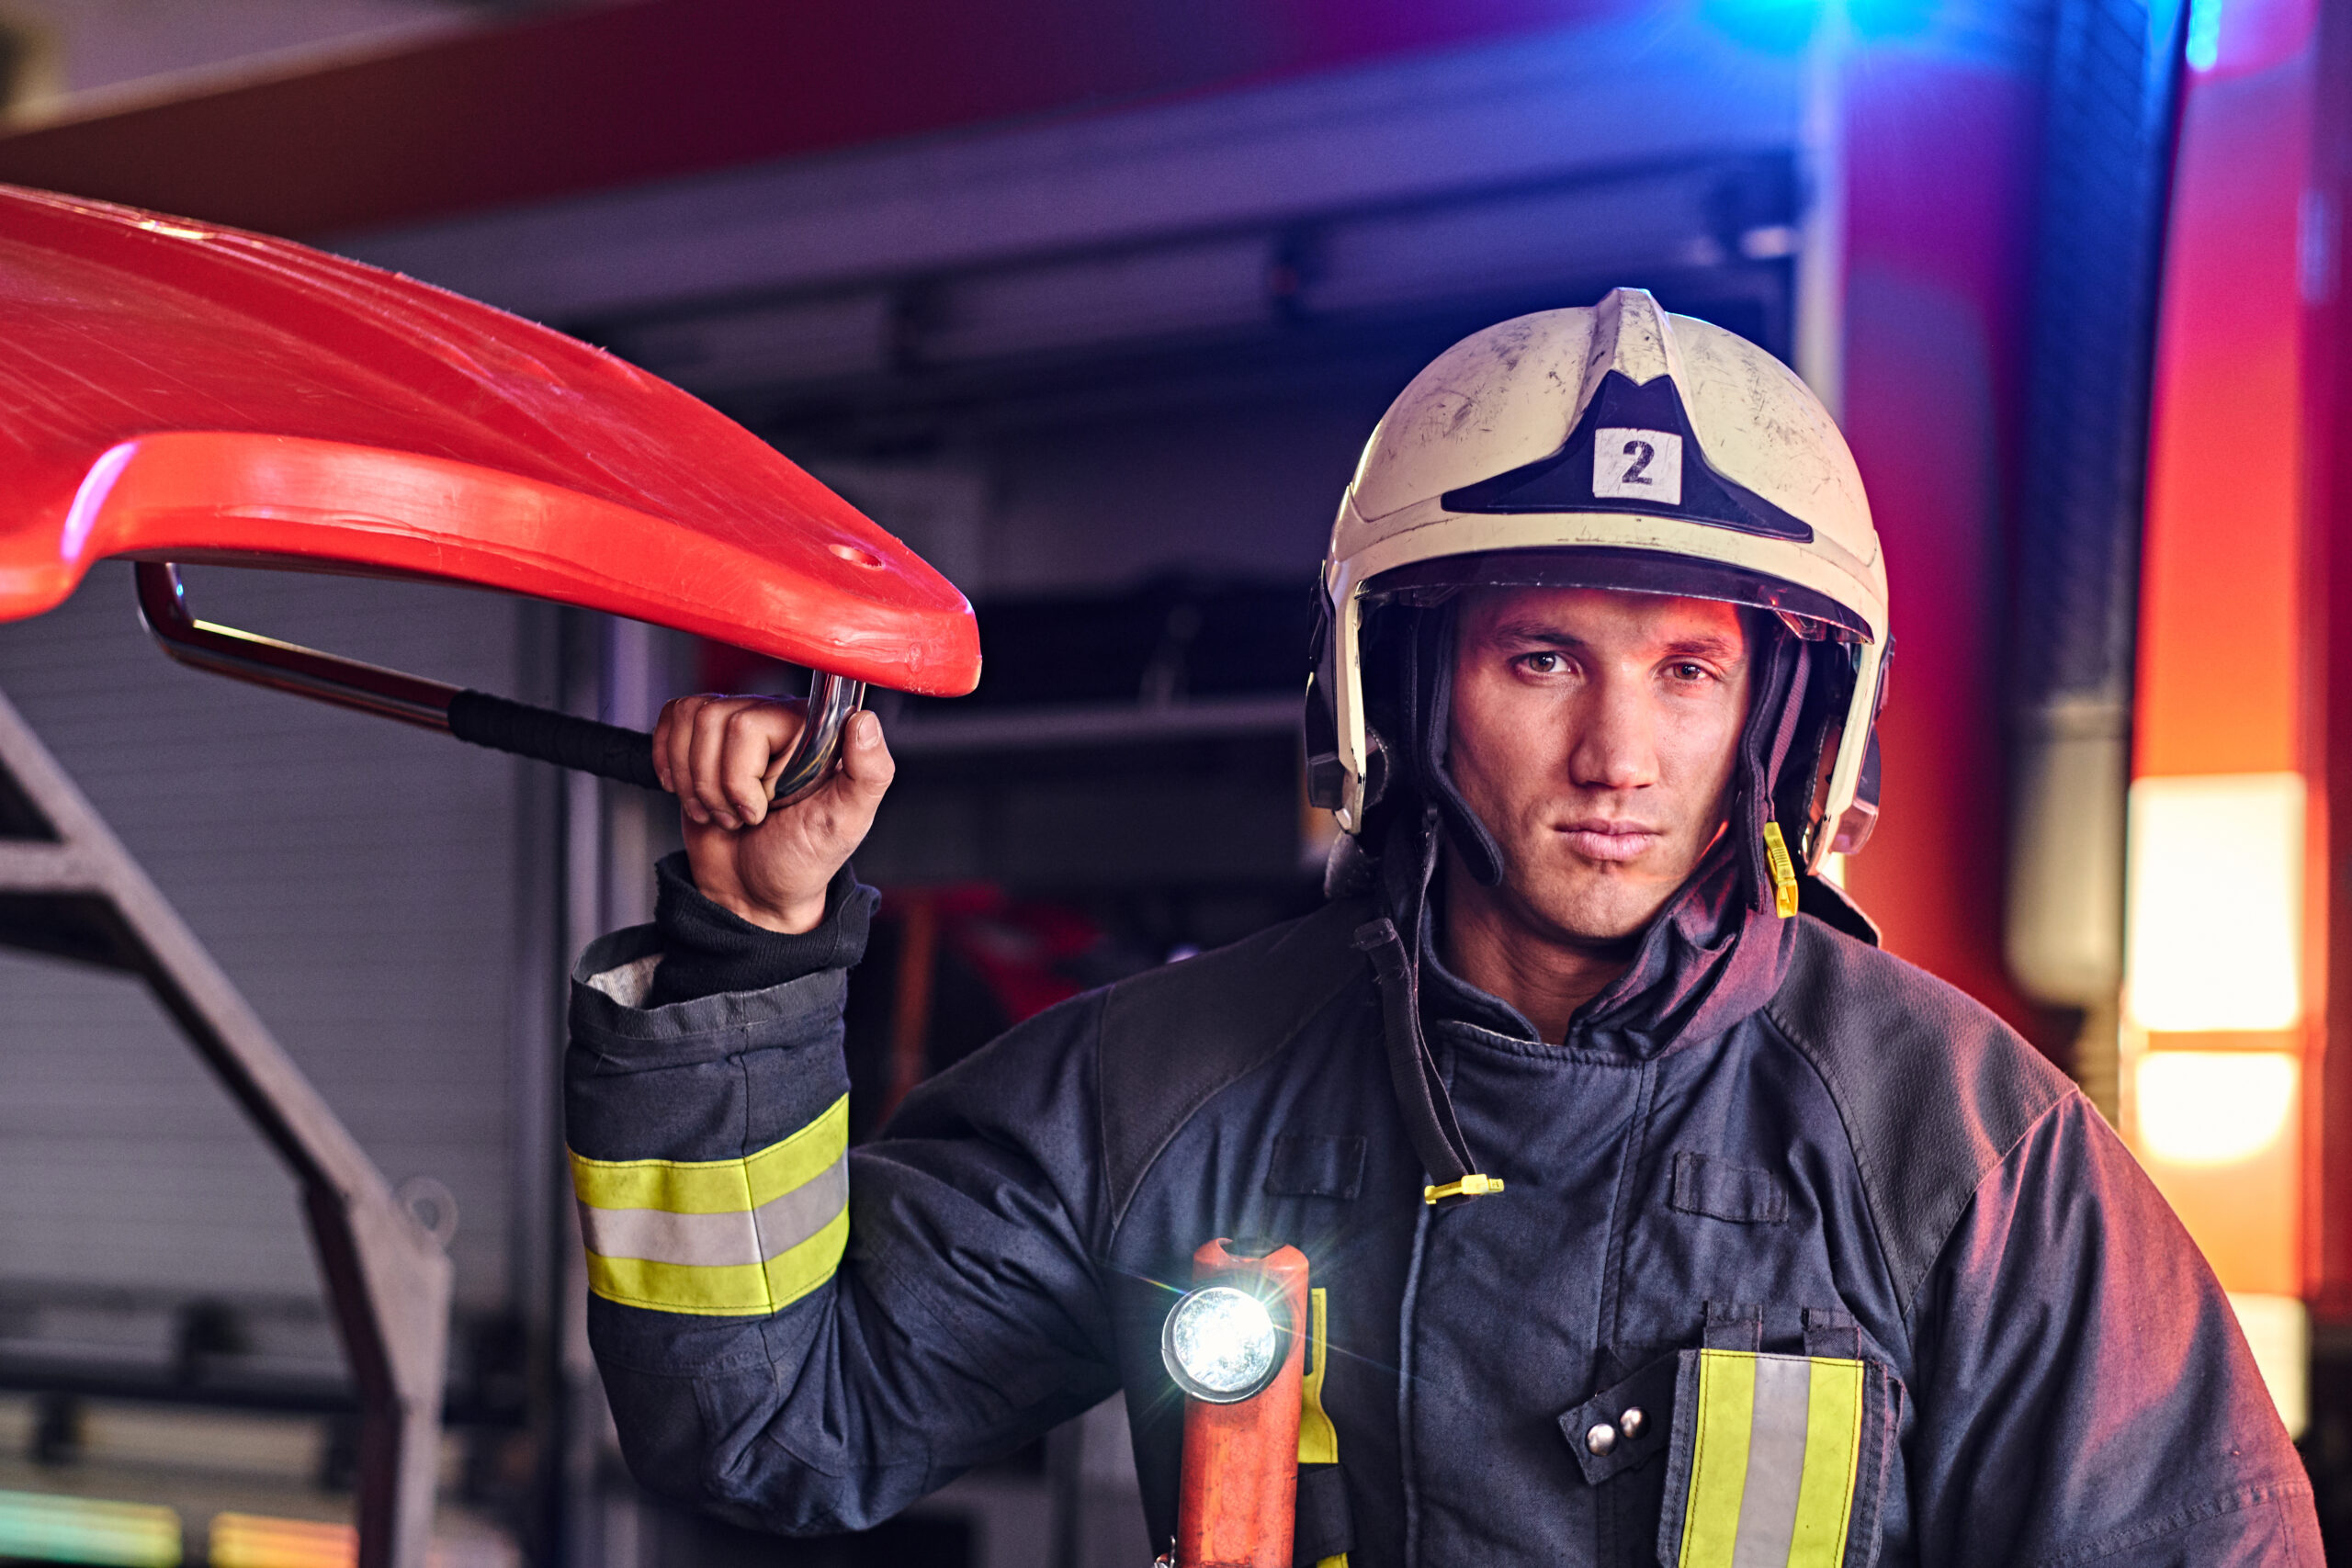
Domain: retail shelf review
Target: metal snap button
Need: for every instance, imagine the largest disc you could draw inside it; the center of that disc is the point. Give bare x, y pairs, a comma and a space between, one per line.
1602, 1437
1632, 1422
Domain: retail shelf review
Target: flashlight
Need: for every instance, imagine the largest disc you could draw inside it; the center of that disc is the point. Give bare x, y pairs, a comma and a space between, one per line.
1233, 1345
1220, 1344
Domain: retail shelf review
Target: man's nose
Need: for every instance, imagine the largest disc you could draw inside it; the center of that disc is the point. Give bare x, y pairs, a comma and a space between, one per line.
1614, 746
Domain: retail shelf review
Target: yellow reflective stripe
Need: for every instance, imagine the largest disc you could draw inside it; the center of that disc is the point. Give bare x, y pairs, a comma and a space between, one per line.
1318, 1439
1718, 1458
1833, 1452
659, 1236
715, 1186
791, 1195
730, 1290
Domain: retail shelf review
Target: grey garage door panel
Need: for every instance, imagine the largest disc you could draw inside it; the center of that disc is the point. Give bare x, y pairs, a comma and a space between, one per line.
355, 877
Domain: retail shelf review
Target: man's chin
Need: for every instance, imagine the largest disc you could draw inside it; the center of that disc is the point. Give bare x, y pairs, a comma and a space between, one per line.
1609, 916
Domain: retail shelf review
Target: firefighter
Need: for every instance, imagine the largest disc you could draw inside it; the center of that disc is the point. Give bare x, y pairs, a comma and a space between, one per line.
1657, 1214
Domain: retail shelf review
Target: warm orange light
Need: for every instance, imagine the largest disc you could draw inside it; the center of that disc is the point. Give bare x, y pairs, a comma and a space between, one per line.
2278, 1331
2213, 1108
2214, 927
257, 1540
2221, 1134
263, 1541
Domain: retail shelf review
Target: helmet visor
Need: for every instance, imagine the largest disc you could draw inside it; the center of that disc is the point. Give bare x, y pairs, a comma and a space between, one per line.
1810, 614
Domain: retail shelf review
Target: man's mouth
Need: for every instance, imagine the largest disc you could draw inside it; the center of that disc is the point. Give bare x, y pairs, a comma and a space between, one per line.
1597, 839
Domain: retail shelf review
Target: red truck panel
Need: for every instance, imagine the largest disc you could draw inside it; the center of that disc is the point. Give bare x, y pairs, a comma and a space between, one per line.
173, 391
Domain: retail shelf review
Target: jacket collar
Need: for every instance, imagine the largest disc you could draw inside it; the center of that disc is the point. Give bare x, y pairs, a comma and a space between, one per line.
1707, 960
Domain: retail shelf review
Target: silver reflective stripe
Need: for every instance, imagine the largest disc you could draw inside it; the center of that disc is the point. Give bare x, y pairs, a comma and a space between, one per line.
708, 1240
1768, 1505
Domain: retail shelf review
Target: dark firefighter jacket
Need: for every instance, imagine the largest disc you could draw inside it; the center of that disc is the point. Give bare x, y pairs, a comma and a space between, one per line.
1882, 1284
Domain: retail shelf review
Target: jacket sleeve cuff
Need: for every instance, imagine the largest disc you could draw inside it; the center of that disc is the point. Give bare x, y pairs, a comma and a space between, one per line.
708, 950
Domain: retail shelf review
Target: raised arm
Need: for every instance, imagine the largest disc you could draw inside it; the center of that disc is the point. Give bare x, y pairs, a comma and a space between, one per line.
801, 1337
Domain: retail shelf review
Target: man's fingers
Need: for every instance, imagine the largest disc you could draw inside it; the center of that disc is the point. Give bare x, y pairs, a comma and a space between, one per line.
706, 777
866, 762
672, 739
758, 737
720, 755
841, 813
661, 746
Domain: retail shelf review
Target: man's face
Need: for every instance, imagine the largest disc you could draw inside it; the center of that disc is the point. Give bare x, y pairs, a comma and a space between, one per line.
1594, 733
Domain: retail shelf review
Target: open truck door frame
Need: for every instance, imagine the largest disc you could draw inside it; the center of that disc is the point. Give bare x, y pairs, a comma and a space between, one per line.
172, 392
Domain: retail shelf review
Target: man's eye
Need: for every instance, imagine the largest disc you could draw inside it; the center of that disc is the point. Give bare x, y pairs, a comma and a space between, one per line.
1540, 663
1689, 670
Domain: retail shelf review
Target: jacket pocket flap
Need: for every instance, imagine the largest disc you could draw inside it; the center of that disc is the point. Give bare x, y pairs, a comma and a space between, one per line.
1315, 1165
1721, 1190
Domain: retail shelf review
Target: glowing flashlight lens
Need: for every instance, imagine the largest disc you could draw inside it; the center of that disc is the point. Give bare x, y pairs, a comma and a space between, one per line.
1220, 1345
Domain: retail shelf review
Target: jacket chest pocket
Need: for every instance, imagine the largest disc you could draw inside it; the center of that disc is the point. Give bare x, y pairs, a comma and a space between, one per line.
1776, 1462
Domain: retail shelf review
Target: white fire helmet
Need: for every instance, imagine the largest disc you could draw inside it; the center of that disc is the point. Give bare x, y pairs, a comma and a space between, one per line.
1623, 447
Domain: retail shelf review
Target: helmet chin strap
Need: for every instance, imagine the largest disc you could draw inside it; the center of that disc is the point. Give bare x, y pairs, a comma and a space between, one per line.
1408, 861
1778, 673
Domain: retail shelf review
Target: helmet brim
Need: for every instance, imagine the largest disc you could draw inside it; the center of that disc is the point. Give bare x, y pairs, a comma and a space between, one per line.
1811, 614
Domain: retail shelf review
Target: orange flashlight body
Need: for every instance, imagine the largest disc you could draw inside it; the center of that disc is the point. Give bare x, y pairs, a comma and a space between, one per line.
1238, 1500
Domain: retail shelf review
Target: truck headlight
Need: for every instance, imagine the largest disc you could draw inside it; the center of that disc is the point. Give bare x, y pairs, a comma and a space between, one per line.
1221, 1343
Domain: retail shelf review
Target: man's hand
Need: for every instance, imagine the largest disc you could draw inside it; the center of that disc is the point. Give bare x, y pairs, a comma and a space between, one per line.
721, 756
